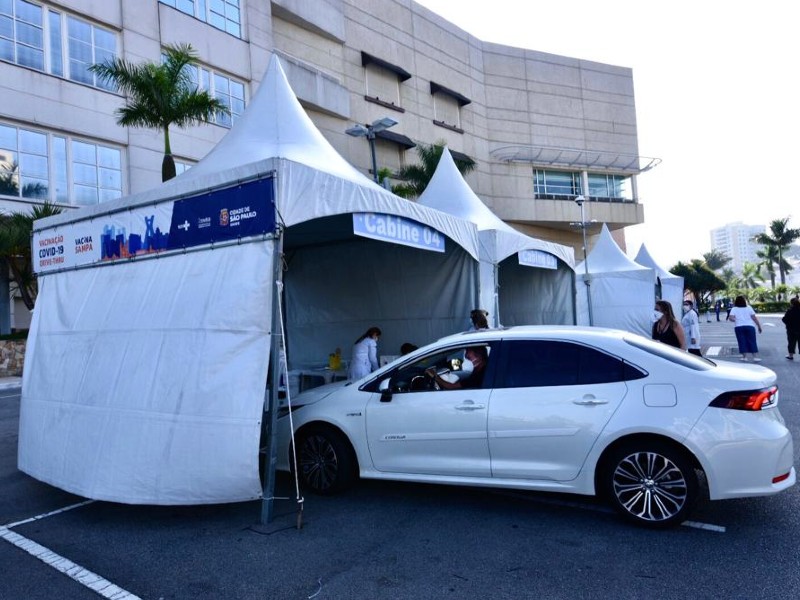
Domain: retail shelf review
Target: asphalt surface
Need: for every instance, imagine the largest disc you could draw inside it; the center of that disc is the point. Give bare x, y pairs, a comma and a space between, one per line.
388, 540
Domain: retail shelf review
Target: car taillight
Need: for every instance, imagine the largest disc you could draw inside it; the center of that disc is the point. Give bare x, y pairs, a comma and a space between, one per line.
747, 400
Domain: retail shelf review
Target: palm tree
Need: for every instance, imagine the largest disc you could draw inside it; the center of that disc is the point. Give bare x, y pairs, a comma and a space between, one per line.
716, 259
161, 95
750, 276
768, 256
780, 237
416, 177
15, 248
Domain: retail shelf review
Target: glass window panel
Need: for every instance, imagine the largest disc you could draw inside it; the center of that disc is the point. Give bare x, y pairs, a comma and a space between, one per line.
78, 72
6, 7
221, 85
109, 157
105, 40
110, 179
60, 169
84, 195
168, 2
30, 141
201, 9
29, 35
84, 174
237, 90
80, 51
217, 21
186, 6
217, 6
6, 27
237, 107
6, 50
233, 28
56, 54
8, 137
205, 79
34, 188
32, 165
79, 30
105, 195
30, 57
29, 12
85, 153
232, 11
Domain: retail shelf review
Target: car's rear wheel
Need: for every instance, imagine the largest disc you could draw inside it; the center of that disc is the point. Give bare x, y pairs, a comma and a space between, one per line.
326, 460
650, 483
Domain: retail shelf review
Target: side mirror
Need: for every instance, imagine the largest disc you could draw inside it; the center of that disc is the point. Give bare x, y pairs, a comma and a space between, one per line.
385, 390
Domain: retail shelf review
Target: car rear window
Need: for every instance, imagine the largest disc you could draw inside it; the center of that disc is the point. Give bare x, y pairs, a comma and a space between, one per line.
670, 353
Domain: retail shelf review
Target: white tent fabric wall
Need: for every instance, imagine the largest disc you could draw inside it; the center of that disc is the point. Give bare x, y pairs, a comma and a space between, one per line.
128, 377
189, 441
622, 291
528, 295
671, 285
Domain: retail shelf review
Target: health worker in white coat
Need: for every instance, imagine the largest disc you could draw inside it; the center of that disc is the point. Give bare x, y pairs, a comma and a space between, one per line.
365, 354
691, 328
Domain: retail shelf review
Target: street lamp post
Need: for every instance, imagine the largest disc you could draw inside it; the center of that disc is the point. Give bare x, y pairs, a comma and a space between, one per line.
369, 131
579, 200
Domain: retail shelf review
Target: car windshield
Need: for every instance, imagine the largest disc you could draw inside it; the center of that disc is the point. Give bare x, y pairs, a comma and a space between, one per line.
670, 353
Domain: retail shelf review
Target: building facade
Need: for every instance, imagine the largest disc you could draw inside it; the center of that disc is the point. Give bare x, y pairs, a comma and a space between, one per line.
543, 129
736, 241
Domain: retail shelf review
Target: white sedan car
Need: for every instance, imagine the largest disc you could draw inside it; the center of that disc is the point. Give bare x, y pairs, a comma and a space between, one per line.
561, 409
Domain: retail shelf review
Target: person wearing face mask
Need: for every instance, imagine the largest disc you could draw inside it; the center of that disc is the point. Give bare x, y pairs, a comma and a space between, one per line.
365, 354
667, 329
691, 328
472, 368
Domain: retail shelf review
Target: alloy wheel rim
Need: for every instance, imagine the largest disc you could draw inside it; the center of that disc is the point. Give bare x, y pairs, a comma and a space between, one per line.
650, 486
319, 463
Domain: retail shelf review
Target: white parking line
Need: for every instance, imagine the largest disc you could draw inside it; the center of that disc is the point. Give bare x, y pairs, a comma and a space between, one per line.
713, 351
704, 526
83, 576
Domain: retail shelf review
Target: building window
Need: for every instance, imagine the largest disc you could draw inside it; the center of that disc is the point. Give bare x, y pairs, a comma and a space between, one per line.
227, 90
609, 187
447, 106
33, 37
44, 166
382, 81
557, 185
222, 14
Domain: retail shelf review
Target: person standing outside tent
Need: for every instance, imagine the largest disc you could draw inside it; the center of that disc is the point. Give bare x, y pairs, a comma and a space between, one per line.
691, 327
365, 354
791, 319
667, 329
745, 323
480, 319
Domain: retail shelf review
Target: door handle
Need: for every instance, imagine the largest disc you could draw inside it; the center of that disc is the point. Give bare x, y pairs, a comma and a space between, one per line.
470, 405
590, 401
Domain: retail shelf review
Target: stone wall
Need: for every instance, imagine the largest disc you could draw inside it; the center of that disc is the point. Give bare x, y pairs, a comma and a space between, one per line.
12, 355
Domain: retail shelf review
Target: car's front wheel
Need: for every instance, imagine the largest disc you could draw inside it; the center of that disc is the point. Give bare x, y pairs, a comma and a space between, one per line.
651, 483
326, 460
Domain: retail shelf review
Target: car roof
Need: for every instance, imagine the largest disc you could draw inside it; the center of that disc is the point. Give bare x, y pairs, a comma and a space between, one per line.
540, 331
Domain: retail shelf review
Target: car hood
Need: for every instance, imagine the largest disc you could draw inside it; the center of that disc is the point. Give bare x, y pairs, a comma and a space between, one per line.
315, 394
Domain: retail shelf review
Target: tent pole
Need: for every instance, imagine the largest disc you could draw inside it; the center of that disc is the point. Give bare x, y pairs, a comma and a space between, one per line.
271, 404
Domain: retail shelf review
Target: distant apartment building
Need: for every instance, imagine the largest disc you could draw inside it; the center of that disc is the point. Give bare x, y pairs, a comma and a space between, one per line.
736, 241
543, 129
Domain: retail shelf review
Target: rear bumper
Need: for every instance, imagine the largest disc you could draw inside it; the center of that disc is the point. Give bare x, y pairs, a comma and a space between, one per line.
742, 452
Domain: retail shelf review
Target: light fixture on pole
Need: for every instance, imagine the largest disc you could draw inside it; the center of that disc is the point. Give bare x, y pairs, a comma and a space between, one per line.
369, 131
579, 200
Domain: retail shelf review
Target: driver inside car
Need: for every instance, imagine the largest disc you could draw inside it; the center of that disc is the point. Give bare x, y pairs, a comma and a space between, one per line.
470, 376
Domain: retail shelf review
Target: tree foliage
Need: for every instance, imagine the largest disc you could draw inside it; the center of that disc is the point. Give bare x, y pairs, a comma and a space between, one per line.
699, 279
716, 259
415, 178
778, 241
161, 95
15, 249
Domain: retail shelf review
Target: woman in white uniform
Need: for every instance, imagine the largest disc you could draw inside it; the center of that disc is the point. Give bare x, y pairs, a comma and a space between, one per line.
365, 354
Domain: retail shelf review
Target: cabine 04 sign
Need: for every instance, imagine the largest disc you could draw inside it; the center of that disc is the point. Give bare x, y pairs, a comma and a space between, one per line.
391, 228
217, 216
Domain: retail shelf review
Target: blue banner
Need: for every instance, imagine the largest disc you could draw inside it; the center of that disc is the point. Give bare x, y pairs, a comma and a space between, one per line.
221, 215
391, 228
537, 258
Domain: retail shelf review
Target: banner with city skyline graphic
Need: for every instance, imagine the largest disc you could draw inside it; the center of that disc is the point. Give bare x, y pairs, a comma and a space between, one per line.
236, 212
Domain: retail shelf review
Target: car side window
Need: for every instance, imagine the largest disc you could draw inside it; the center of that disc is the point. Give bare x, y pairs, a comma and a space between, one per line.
546, 363
447, 364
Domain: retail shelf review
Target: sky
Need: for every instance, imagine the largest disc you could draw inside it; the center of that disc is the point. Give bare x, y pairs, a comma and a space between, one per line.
715, 87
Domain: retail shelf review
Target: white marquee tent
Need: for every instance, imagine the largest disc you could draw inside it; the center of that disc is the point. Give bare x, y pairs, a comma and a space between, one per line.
669, 287
622, 291
524, 281
147, 358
